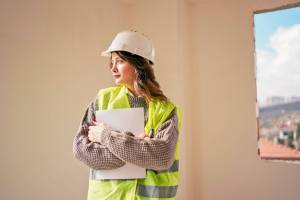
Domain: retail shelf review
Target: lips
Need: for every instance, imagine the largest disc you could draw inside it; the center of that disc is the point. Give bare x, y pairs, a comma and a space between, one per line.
116, 75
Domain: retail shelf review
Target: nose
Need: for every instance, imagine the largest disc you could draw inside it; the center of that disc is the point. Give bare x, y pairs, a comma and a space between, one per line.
113, 67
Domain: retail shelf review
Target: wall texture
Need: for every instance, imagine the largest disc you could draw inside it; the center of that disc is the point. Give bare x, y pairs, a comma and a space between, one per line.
50, 69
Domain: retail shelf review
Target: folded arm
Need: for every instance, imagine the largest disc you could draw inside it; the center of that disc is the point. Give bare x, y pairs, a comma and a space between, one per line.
93, 154
153, 153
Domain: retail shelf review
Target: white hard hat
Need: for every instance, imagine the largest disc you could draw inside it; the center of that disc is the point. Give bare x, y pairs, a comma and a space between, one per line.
132, 42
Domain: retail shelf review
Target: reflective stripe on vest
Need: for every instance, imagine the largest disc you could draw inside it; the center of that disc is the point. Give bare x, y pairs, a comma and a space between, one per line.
157, 191
157, 184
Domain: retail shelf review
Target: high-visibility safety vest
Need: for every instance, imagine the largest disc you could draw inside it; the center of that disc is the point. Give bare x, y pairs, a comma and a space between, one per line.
158, 185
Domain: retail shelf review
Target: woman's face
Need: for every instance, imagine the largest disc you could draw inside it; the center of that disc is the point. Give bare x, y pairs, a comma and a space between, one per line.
122, 71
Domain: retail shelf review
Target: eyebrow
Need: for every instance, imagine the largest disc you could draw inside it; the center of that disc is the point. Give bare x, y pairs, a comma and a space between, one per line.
115, 57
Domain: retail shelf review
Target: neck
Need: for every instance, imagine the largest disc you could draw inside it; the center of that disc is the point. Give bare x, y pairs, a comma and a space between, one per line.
132, 90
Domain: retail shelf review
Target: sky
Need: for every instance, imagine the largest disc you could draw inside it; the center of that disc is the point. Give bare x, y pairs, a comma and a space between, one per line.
277, 41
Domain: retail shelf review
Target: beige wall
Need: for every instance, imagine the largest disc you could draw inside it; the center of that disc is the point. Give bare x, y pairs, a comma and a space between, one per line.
51, 69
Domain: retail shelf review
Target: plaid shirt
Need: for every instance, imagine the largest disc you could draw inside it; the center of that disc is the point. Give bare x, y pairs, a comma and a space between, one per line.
116, 148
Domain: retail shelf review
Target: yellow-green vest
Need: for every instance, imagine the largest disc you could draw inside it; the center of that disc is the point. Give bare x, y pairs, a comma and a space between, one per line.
158, 185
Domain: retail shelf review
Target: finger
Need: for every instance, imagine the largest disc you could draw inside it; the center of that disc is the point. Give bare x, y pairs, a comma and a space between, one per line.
91, 139
95, 123
91, 135
94, 132
91, 132
94, 127
91, 127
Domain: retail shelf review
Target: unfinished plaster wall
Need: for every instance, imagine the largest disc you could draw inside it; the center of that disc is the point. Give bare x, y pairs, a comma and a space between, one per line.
224, 141
51, 69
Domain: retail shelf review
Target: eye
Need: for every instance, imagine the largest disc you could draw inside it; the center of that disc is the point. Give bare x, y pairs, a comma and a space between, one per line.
119, 61
116, 61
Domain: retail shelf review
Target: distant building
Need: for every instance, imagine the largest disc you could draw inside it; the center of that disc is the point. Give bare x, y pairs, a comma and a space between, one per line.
292, 99
275, 100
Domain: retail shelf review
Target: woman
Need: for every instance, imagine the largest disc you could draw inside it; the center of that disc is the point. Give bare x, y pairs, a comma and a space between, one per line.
100, 147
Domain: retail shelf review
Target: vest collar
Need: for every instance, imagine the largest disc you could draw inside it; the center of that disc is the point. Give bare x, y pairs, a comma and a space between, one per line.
127, 91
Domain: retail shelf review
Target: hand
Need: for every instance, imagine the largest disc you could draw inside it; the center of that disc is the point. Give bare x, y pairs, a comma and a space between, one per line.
96, 131
144, 136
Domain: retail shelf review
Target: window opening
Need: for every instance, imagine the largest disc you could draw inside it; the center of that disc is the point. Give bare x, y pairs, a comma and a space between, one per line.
277, 51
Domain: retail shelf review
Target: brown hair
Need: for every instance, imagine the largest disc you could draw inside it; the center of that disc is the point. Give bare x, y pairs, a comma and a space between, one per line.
145, 83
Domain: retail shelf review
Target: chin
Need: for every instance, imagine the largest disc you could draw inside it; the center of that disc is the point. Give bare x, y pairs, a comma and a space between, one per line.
117, 82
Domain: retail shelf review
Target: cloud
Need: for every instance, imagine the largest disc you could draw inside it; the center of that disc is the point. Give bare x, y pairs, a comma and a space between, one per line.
278, 69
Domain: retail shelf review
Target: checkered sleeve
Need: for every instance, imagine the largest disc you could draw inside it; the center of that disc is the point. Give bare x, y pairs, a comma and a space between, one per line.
93, 154
155, 153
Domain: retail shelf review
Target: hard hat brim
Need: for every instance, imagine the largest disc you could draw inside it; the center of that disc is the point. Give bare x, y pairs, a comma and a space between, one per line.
106, 53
